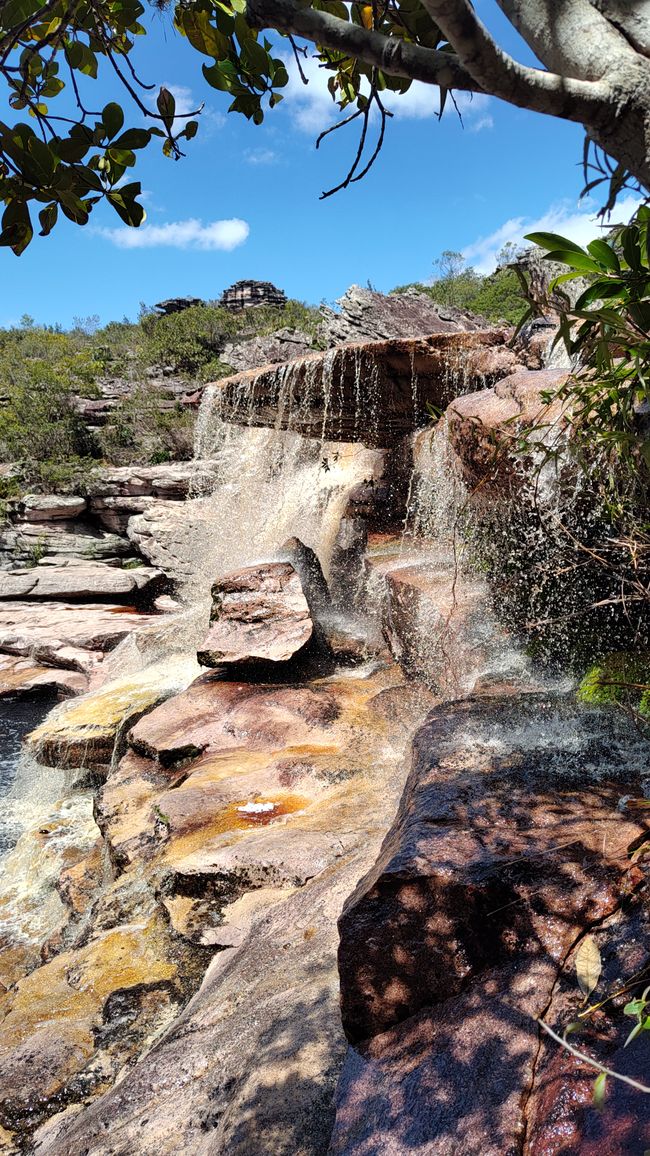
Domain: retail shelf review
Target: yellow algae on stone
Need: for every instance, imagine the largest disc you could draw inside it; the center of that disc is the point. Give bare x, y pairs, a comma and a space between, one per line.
71, 990
82, 733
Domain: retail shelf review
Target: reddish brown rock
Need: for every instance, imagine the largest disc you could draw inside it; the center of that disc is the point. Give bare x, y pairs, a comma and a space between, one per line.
20, 676
494, 855
372, 393
70, 636
51, 507
213, 715
562, 1119
501, 857
483, 426
451, 1079
259, 614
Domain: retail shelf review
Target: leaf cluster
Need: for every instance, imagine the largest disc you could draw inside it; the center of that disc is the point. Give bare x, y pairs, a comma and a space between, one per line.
66, 157
607, 335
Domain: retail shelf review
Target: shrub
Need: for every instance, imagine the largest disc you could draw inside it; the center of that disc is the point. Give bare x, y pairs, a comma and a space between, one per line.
497, 297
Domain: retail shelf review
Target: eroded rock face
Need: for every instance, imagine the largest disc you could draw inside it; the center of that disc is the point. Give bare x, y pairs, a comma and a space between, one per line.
259, 614
283, 345
501, 858
369, 316
482, 427
84, 582
373, 393
51, 507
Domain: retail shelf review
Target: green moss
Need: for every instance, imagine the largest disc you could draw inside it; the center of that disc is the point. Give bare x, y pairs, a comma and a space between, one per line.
620, 678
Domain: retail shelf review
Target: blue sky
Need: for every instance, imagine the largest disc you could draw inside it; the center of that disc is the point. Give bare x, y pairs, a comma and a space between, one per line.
244, 202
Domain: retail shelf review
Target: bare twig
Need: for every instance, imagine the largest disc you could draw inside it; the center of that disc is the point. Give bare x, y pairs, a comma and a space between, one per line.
592, 1063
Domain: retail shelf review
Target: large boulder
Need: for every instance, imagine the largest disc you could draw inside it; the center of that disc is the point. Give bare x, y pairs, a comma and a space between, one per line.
365, 315
259, 614
510, 844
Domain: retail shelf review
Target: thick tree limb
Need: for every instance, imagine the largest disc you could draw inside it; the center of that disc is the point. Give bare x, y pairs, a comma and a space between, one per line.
394, 56
487, 68
503, 76
576, 38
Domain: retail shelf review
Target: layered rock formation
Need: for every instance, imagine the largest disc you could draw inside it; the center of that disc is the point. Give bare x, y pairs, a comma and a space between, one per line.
373, 393
365, 315
246, 294
169, 936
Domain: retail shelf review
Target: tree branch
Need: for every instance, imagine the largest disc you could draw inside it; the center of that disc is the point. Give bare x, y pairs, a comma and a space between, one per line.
576, 39
392, 55
504, 77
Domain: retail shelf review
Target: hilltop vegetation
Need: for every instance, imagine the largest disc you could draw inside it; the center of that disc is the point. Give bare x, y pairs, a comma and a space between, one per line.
47, 374
496, 296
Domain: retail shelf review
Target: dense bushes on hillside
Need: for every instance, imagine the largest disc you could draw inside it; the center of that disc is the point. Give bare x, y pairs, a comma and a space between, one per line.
497, 296
191, 341
45, 371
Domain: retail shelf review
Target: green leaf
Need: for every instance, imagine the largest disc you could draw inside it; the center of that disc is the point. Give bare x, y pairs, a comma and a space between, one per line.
48, 218
16, 230
113, 119
605, 254
599, 1089
191, 129
133, 138
553, 241
219, 75
202, 35
125, 205
575, 259
121, 157
631, 247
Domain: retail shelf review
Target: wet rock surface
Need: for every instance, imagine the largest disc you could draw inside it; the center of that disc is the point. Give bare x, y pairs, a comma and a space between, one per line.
482, 426
320, 395
499, 861
241, 835
259, 614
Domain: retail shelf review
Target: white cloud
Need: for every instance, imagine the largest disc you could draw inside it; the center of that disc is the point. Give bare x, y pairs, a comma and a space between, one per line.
579, 225
313, 109
190, 234
260, 156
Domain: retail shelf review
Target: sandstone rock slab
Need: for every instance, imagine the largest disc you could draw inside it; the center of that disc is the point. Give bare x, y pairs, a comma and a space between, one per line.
259, 614
51, 507
67, 635
85, 582
496, 830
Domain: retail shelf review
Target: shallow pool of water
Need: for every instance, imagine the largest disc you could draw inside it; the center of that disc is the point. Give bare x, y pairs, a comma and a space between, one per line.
18, 716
